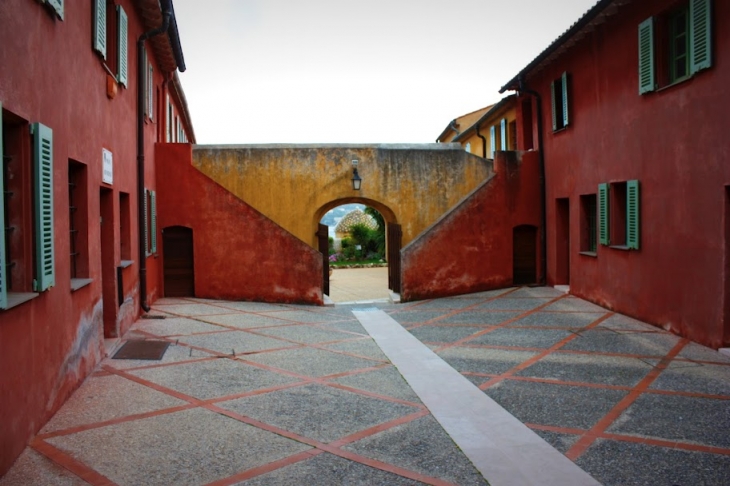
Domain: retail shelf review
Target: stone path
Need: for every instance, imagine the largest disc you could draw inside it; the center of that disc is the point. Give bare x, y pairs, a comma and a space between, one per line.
350, 285
260, 394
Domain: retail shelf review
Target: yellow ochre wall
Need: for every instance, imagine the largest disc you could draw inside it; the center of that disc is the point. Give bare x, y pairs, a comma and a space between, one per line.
295, 185
509, 112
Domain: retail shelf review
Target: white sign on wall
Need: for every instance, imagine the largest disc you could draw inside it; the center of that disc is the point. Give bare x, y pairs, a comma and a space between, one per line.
107, 169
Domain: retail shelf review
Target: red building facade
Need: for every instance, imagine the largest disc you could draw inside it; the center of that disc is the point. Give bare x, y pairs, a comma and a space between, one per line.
629, 110
82, 108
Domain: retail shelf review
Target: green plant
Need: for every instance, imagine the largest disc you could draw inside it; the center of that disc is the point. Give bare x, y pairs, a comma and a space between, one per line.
380, 231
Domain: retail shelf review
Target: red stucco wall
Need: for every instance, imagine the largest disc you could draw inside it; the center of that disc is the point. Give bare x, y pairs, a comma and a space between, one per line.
239, 254
470, 248
50, 74
675, 143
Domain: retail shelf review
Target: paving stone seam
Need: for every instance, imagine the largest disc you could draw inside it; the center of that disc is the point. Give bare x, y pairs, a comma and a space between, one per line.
163, 365
333, 449
546, 352
500, 325
267, 468
71, 464
115, 421
671, 444
585, 441
454, 312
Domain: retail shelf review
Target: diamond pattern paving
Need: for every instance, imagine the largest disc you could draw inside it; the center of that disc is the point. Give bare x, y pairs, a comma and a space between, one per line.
317, 402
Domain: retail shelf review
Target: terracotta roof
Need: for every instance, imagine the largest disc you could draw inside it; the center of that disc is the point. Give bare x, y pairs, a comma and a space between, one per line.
492, 112
455, 123
167, 49
596, 15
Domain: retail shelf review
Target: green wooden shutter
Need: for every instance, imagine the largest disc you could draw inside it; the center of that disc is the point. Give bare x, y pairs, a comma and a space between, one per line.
100, 27
503, 132
3, 278
57, 6
146, 224
632, 214
565, 99
700, 32
603, 236
492, 140
43, 178
122, 42
647, 81
150, 92
153, 219
552, 104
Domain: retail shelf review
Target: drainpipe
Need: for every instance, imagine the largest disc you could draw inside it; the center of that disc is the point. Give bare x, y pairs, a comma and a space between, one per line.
141, 90
484, 142
541, 160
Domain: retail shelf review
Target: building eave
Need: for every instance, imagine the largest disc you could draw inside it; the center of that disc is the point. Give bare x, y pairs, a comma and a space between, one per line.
500, 106
179, 96
582, 27
166, 48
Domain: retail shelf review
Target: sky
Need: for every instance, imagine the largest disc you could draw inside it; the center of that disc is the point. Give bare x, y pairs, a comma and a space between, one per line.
354, 71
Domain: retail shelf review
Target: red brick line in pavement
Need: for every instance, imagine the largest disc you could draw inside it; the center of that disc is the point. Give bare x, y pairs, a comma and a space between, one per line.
534, 359
332, 449
115, 421
266, 468
667, 443
498, 326
67, 462
671, 444
600, 427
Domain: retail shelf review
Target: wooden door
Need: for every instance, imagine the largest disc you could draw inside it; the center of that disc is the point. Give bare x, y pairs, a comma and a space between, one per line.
324, 248
524, 255
395, 235
178, 265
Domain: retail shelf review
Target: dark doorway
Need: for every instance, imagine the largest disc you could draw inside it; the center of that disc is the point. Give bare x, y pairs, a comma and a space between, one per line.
108, 270
178, 268
524, 255
324, 248
726, 327
562, 241
395, 235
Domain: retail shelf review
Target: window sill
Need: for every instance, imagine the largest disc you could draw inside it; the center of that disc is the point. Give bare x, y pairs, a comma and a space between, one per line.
589, 254
620, 247
77, 283
126, 263
559, 130
17, 298
675, 83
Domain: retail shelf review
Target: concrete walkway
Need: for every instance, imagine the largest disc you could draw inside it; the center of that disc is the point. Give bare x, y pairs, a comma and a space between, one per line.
350, 285
261, 394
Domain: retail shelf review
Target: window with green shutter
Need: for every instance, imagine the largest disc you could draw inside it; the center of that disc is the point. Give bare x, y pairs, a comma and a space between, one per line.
588, 224
559, 102
57, 7
43, 185
700, 30
603, 199
122, 46
492, 141
632, 214
153, 222
675, 44
503, 134
646, 56
146, 222
100, 27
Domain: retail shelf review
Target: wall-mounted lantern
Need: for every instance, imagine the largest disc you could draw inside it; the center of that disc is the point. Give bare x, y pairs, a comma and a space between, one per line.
356, 180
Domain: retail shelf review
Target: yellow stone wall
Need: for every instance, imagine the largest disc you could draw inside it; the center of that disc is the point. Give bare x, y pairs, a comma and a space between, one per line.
295, 185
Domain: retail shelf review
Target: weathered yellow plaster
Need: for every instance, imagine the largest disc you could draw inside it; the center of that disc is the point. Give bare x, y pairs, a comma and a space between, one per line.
295, 185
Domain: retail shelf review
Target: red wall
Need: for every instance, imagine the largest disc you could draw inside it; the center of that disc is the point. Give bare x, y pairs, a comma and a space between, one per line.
50, 74
470, 248
239, 253
675, 143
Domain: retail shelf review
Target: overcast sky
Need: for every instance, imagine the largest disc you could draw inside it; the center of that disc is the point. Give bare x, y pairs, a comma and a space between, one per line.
354, 71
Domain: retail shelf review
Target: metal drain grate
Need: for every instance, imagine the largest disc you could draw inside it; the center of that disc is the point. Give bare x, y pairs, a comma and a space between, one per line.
142, 349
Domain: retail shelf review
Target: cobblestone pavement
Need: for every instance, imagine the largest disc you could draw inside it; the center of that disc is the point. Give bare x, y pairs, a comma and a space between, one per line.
258, 394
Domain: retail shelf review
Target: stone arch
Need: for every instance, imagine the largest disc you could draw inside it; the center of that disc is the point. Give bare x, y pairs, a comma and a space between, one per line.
388, 214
